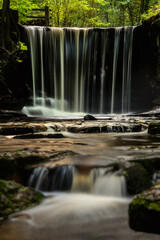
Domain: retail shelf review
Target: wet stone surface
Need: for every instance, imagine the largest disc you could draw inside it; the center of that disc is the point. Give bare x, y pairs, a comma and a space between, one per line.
118, 143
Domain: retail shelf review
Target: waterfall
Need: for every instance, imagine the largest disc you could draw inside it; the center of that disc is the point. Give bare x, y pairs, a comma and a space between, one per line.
127, 64
72, 67
102, 92
44, 179
98, 181
115, 59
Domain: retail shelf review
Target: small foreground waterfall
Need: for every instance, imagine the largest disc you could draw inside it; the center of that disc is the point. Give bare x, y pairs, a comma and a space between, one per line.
98, 181
75, 70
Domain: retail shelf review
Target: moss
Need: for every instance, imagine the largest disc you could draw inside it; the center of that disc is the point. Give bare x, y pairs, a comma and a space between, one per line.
15, 197
144, 215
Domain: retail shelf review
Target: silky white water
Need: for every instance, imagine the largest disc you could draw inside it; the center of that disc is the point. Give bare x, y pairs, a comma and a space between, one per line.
73, 66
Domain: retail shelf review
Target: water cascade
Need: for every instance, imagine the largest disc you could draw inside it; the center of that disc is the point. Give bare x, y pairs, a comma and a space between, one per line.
75, 70
115, 59
98, 181
127, 65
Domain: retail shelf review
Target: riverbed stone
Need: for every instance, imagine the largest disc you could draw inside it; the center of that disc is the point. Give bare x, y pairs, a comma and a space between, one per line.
23, 128
89, 117
154, 128
35, 136
144, 211
15, 197
84, 129
15, 130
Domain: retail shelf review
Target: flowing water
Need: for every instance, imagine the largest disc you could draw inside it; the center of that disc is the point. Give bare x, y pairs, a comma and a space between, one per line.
97, 181
86, 199
72, 69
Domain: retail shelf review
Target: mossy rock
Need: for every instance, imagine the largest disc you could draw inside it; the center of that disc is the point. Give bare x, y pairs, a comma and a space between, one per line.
144, 211
151, 165
154, 128
138, 178
15, 197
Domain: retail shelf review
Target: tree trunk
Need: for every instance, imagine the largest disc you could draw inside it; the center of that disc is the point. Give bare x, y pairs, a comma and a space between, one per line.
144, 6
5, 32
130, 15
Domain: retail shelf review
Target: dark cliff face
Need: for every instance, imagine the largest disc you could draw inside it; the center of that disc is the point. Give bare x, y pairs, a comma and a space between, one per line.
145, 78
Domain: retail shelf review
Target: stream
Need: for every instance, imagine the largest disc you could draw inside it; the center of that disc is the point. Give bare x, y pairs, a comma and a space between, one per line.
93, 202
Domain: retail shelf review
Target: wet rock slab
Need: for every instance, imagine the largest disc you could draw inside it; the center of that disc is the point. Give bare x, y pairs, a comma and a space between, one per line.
35, 136
144, 211
17, 165
104, 128
16, 129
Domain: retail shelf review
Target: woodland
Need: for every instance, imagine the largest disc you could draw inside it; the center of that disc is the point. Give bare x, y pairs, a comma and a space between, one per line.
87, 13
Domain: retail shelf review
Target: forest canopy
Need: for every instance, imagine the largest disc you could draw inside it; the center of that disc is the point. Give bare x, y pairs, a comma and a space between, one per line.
89, 13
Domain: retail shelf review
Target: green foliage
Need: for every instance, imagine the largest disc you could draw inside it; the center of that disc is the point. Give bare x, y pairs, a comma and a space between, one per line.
153, 11
22, 46
23, 7
15, 197
89, 13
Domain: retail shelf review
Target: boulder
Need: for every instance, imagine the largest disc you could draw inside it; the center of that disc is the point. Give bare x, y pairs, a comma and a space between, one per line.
89, 117
15, 197
144, 211
138, 178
